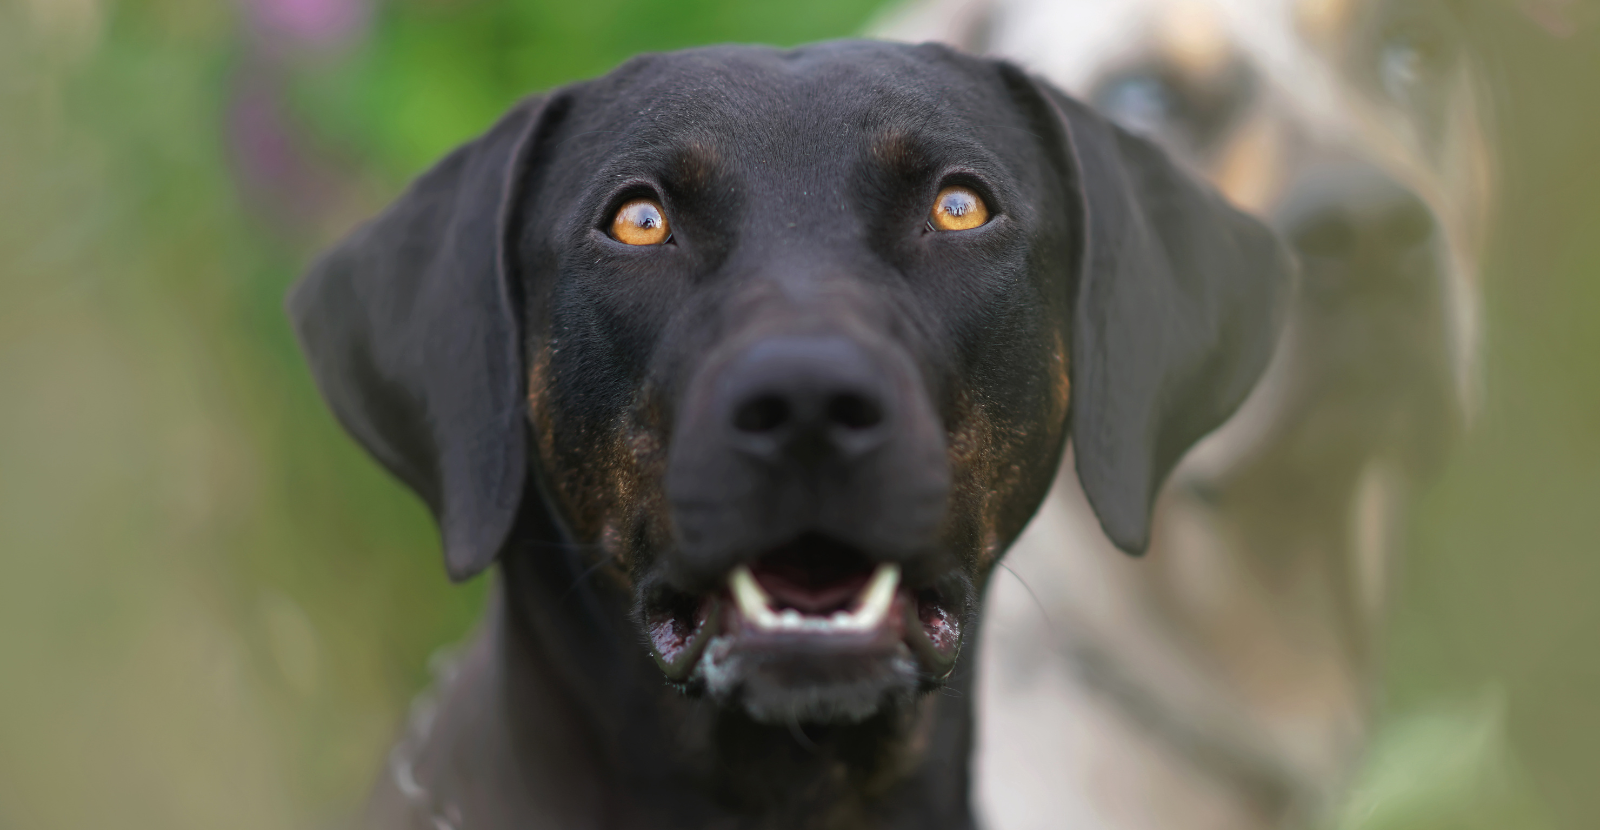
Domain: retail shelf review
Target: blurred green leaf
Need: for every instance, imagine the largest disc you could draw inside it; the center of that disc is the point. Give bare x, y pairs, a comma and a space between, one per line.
1446, 767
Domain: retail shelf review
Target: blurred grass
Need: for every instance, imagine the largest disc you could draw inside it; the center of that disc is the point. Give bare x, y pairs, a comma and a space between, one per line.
1493, 678
214, 609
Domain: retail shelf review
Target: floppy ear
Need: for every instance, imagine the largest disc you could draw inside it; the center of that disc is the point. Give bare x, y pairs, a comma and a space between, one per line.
413, 329
1178, 303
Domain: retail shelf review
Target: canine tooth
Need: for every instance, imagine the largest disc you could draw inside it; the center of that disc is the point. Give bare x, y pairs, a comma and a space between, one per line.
877, 597
753, 601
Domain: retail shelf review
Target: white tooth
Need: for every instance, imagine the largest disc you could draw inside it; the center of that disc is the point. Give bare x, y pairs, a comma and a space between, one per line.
875, 600
790, 618
753, 601
839, 618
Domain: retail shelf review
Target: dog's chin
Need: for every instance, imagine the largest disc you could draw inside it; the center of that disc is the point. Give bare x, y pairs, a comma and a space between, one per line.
811, 632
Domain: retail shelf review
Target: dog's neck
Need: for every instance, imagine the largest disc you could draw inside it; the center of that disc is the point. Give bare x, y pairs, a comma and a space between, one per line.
556, 715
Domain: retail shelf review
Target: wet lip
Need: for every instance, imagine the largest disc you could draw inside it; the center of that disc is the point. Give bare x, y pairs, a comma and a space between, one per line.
812, 596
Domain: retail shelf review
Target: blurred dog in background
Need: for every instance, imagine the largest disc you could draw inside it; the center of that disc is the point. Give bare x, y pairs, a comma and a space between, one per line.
1227, 680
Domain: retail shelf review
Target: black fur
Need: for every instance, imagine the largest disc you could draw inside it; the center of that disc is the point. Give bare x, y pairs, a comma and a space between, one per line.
561, 403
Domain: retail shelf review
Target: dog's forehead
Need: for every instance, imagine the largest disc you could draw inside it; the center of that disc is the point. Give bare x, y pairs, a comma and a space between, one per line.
848, 71
792, 107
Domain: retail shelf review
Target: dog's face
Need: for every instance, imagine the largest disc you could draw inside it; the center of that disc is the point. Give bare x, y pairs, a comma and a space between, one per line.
792, 341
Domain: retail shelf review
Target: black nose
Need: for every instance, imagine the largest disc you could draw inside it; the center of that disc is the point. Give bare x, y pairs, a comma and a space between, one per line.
797, 433
1357, 217
807, 399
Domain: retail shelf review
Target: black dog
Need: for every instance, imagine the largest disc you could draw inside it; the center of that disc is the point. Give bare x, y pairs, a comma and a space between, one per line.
754, 362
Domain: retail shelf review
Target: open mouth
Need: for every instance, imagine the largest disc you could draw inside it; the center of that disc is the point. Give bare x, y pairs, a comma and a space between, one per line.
812, 608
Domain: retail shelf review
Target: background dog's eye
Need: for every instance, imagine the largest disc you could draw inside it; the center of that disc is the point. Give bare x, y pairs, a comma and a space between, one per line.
1414, 54
958, 209
1414, 47
1140, 101
640, 222
1410, 63
1186, 113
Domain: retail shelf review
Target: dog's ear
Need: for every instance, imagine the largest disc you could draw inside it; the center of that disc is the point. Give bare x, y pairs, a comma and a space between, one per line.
1178, 302
413, 329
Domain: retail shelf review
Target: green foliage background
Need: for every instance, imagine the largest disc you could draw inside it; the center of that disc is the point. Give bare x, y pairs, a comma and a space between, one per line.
214, 610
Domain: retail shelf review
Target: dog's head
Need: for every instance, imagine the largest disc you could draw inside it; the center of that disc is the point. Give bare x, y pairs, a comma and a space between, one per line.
791, 342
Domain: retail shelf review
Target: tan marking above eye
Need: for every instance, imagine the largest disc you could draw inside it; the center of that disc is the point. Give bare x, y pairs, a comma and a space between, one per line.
957, 209
640, 222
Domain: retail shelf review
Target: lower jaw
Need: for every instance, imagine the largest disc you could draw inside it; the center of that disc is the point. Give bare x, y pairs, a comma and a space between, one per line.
786, 688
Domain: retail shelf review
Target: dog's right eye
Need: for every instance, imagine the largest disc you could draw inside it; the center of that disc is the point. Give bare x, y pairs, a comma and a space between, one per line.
640, 222
957, 209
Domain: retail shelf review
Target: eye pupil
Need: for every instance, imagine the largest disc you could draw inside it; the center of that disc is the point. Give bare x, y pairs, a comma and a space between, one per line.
640, 222
958, 209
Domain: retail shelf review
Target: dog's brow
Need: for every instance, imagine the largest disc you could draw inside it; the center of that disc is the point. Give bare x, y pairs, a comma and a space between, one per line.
695, 165
900, 150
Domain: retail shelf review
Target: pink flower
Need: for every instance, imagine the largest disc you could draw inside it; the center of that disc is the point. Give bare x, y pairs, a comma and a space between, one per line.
318, 23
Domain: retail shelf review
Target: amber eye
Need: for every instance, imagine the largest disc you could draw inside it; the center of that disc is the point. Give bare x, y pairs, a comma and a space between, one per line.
640, 222
958, 209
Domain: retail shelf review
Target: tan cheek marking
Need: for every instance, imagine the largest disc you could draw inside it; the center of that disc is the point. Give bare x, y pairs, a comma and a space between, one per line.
614, 563
987, 475
1015, 472
972, 460
634, 506
581, 491
987, 470
1062, 392
611, 499
1249, 171
538, 405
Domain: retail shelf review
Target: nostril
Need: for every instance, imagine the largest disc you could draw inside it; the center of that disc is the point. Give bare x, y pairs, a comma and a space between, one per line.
1329, 235
1408, 225
764, 413
854, 411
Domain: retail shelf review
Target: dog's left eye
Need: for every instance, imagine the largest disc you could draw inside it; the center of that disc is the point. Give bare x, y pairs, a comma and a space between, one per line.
640, 222
957, 209
1413, 61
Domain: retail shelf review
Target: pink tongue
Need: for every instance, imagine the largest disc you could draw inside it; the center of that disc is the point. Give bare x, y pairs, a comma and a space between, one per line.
804, 591
813, 575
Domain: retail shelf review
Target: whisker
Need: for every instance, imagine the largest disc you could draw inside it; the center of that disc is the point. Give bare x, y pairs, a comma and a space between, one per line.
587, 572
800, 737
1043, 612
